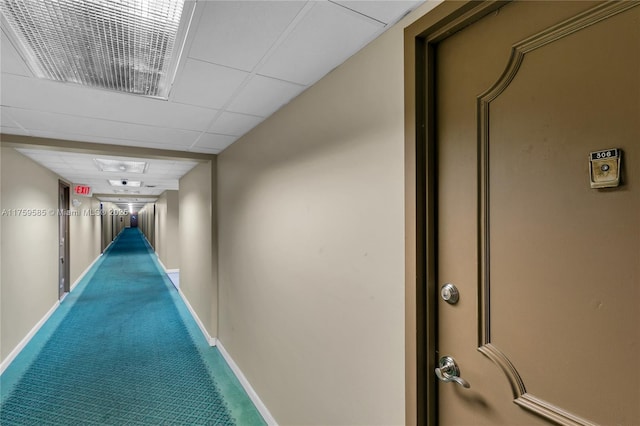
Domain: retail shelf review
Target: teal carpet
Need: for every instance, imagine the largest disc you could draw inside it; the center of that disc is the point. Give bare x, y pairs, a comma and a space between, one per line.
122, 350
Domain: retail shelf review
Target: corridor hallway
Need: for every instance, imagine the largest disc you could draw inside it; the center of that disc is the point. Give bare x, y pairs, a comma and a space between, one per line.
123, 349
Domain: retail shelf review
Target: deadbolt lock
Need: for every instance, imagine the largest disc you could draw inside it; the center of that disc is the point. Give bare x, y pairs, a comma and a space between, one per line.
450, 294
604, 168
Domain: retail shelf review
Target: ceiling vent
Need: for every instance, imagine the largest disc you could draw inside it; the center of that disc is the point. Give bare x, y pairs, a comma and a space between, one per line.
130, 46
125, 182
126, 166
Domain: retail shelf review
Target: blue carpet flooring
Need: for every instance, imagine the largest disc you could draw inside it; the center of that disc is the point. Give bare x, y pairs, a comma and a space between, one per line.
123, 351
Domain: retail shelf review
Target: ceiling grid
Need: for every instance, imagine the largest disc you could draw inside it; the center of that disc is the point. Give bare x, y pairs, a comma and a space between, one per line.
238, 63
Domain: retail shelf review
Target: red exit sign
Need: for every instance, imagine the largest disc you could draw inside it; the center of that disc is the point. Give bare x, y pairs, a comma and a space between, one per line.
83, 190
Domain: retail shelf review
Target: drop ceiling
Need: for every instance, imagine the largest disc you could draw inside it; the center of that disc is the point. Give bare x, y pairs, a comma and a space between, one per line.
242, 61
159, 175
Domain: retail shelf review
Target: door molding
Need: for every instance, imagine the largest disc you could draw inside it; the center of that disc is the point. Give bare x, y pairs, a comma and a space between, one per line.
420, 39
485, 346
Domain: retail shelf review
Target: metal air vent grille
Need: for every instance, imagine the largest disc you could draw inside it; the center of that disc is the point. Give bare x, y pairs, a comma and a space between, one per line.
123, 45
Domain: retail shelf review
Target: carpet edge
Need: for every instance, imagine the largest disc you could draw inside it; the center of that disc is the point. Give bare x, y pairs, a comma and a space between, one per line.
25, 341
251, 392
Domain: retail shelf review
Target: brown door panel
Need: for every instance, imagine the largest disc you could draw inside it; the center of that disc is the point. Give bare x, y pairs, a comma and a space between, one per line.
548, 269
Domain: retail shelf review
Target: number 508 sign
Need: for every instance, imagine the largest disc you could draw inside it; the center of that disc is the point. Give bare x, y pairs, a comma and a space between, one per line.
609, 153
604, 168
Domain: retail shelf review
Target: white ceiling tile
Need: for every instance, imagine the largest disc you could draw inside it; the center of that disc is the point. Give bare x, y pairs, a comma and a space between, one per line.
153, 135
103, 140
157, 112
54, 162
214, 141
90, 127
205, 150
12, 62
327, 36
5, 118
50, 96
381, 10
208, 85
182, 167
12, 131
238, 34
263, 96
230, 123
83, 168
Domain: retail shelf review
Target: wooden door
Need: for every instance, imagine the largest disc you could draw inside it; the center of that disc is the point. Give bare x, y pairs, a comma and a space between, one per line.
547, 268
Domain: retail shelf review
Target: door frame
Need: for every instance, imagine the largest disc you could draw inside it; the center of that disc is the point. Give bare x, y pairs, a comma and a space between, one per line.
421, 292
63, 216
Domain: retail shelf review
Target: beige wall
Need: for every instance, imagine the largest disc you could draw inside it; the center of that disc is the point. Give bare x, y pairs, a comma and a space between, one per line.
119, 221
147, 223
167, 215
84, 235
198, 243
29, 255
107, 226
29, 277
159, 223
311, 241
111, 223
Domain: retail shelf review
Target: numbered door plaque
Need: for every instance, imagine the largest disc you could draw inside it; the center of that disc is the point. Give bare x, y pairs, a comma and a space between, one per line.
604, 168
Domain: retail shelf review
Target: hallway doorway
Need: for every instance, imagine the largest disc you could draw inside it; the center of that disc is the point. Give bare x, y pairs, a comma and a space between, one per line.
63, 239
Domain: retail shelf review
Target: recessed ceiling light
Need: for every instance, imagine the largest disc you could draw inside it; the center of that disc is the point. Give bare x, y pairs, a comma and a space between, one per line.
106, 165
125, 182
130, 46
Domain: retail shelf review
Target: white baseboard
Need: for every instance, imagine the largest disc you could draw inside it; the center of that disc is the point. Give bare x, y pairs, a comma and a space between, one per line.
266, 415
164, 268
109, 245
14, 353
77, 281
211, 340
